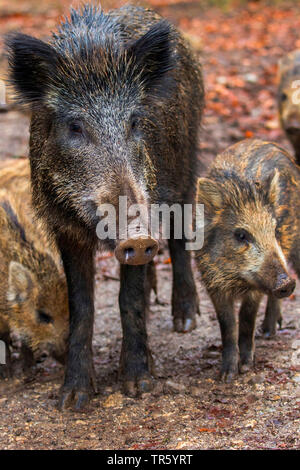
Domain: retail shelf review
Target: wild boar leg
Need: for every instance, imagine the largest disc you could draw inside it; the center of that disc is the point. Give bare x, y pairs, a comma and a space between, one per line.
247, 317
79, 375
150, 284
27, 358
185, 302
229, 332
136, 361
272, 317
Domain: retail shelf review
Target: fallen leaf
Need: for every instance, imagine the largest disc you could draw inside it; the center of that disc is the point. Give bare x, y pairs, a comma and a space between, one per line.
207, 429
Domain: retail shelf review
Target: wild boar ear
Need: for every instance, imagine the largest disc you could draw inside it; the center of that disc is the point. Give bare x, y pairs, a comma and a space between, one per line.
274, 188
31, 66
209, 193
152, 53
20, 282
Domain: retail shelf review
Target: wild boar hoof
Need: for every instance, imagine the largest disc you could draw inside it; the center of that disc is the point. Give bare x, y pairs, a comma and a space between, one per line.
268, 331
184, 325
5, 372
228, 372
269, 334
227, 377
134, 388
244, 368
75, 399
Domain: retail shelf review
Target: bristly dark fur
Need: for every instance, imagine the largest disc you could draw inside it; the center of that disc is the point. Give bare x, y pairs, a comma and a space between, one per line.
152, 54
90, 18
42, 72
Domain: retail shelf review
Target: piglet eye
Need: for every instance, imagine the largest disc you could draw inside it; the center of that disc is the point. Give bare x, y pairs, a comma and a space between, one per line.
283, 97
76, 128
44, 317
241, 235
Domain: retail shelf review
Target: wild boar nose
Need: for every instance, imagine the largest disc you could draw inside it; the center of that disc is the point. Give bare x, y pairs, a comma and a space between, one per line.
43, 356
134, 251
284, 286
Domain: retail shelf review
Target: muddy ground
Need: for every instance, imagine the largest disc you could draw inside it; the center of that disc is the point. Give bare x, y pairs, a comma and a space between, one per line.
189, 408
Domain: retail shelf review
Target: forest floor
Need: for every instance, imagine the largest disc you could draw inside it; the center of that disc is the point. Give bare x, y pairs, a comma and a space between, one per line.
189, 408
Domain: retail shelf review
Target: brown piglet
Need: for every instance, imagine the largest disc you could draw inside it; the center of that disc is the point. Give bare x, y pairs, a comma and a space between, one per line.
33, 290
251, 206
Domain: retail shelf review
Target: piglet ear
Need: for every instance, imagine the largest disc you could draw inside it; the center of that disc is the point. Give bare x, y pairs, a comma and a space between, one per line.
274, 188
20, 282
31, 65
152, 53
283, 65
209, 193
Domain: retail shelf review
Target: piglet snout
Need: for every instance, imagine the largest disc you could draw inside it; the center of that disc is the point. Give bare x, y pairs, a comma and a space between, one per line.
284, 286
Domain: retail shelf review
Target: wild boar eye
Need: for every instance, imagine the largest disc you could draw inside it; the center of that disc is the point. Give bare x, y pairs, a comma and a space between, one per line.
76, 128
283, 96
241, 235
44, 317
134, 123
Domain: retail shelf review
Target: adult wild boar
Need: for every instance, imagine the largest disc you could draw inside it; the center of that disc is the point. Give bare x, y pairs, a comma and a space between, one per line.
117, 100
